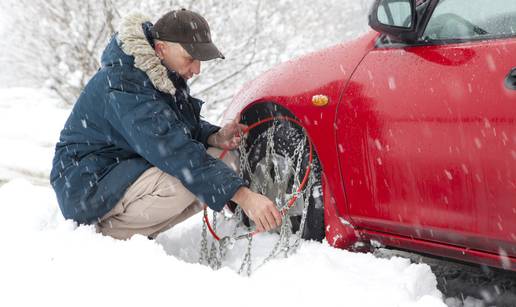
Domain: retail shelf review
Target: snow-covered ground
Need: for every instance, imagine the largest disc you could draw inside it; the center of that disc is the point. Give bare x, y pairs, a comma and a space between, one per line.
48, 261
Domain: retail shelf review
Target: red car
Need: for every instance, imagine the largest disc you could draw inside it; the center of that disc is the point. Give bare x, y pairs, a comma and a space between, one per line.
413, 126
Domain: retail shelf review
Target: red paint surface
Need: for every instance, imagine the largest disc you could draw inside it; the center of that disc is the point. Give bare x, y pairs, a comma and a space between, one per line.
416, 142
429, 137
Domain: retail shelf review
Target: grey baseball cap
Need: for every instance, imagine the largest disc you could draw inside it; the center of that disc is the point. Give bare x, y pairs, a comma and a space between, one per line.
190, 30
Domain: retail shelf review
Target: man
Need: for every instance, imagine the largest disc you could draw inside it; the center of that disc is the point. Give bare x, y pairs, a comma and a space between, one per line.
133, 155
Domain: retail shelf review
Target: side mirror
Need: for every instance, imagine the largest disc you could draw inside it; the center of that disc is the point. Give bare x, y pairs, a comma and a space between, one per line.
396, 18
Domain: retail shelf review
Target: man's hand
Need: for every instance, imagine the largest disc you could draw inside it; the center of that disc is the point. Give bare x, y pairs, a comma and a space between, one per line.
258, 208
229, 136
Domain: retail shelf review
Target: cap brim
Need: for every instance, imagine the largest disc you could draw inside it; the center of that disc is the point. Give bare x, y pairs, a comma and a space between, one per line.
203, 51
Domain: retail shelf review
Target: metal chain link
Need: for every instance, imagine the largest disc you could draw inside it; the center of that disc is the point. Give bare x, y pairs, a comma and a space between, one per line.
246, 263
308, 193
215, 246
203, 255
218, 250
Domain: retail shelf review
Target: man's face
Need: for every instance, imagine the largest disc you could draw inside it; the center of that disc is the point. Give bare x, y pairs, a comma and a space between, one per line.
176, 58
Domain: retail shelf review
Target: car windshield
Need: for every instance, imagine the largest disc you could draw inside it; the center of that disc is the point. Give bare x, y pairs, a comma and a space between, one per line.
457, 19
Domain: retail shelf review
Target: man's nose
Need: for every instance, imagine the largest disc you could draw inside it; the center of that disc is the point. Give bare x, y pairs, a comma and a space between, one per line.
196, 69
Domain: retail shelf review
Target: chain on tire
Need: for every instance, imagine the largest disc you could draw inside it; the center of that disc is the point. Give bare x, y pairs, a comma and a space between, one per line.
287, 242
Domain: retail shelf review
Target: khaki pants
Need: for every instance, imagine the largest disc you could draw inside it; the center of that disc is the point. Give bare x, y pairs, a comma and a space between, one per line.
155, 202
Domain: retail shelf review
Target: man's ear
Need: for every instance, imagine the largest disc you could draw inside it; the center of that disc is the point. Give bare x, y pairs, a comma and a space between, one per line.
158, 48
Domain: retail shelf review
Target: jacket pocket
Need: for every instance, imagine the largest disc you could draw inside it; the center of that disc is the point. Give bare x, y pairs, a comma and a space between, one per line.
160, 123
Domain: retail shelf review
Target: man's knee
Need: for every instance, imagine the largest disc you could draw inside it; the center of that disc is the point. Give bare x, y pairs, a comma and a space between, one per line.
148, 205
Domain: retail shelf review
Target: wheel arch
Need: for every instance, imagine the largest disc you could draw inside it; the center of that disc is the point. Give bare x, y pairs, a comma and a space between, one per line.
337, 231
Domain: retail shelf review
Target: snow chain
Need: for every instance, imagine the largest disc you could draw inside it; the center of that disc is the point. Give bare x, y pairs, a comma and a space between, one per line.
288, 242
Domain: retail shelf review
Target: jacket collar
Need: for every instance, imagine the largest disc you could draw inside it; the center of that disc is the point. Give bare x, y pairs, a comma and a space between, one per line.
133, 42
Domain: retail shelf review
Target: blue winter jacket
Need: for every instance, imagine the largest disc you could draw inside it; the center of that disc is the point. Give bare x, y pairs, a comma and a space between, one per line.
122, 125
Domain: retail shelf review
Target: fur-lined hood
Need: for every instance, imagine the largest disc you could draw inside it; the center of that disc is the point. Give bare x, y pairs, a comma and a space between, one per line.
133, 42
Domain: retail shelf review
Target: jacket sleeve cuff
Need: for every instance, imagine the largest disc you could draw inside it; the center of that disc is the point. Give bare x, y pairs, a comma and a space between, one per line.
218, 203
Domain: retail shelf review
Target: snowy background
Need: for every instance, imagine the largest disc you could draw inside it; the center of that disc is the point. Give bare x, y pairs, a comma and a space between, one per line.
48, 261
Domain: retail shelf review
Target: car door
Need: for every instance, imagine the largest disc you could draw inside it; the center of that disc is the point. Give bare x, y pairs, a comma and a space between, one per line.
426, 133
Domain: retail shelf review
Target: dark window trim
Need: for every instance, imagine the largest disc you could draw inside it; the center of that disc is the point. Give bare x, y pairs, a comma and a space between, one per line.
441, 42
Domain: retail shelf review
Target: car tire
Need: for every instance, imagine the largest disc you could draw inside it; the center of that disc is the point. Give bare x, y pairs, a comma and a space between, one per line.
286, 138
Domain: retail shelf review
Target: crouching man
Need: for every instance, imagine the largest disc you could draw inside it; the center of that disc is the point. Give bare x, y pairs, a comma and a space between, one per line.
134, 156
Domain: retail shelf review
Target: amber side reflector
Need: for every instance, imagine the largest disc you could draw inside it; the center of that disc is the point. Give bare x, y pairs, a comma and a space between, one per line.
320, 100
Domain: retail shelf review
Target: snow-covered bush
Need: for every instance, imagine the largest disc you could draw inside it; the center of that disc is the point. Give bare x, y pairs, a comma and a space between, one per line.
57, 43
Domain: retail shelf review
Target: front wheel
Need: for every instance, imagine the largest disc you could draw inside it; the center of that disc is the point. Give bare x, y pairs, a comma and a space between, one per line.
275, 161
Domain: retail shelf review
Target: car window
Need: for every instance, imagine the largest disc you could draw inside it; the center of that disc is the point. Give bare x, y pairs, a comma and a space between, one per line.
472, 19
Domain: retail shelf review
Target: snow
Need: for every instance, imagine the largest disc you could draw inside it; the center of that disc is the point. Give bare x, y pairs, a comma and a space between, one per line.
30, 123
49, 261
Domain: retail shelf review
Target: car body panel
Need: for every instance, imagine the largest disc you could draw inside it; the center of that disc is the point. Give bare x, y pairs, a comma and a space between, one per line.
294, 83
439, 249
386, 146
428, 144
